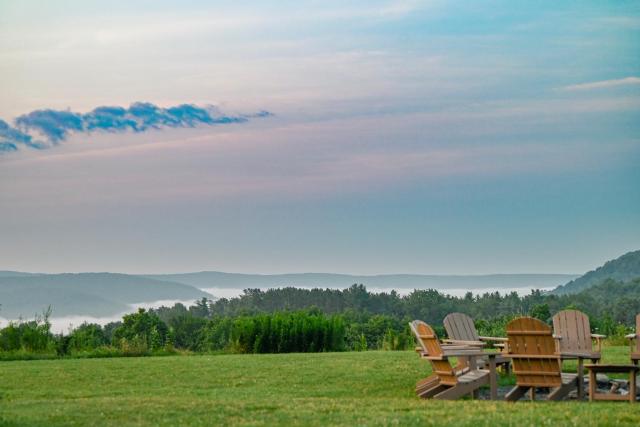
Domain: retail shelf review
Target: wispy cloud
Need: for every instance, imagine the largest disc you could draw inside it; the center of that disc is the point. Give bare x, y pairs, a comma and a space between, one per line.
604, 84
54, 126
11, 138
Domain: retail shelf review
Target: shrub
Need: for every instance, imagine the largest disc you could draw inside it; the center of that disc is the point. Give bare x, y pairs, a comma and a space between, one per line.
140, 332
86, 337
33, 336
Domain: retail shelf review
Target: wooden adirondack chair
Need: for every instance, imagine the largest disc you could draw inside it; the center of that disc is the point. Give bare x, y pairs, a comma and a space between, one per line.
461, 330
535, 361
634, 342
447, 381
574, 338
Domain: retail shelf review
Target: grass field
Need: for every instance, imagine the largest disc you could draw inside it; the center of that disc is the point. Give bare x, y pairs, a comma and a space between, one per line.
369, 388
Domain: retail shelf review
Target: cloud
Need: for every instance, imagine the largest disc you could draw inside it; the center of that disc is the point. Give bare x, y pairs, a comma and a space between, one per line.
56, 125
604, 84
7, 147
11, 138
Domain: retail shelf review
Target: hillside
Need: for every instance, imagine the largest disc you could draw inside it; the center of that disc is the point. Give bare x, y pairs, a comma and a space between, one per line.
92, 294
215, 279
622, 269
7, 273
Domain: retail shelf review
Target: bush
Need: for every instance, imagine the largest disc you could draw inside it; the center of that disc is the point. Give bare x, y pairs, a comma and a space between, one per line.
31, 337
140, 332
185, 331
284, 332
86, 337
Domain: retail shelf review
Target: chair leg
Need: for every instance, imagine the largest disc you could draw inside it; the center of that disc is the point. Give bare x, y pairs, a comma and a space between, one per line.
580, 378
427, 394
560, 392
516, 393
426, 383
451, 393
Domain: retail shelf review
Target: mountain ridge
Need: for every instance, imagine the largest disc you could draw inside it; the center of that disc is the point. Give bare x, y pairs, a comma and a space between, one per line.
624, 268
94, 294
218, 279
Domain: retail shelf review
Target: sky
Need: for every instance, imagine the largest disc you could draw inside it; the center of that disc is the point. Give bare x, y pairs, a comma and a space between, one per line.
365, 137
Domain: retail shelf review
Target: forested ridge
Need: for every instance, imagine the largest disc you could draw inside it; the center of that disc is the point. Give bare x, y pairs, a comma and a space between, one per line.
312, 320
623, 268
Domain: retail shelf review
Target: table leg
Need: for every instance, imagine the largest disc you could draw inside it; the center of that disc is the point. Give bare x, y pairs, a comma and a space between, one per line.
493, 380
581, 378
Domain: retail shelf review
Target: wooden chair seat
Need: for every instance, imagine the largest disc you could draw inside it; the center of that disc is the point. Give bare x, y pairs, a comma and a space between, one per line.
472, 376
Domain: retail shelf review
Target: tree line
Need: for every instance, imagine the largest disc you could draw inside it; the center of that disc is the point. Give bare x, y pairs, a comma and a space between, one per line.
310, 320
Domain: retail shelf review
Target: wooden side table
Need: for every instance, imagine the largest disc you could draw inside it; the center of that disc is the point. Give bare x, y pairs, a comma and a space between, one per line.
632, 370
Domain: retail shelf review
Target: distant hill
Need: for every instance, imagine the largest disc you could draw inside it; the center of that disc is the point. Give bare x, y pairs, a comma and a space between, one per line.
90, 294
623, 269
215, 279
6, 273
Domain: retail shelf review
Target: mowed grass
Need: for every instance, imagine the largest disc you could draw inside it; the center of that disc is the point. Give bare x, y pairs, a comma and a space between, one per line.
368, 388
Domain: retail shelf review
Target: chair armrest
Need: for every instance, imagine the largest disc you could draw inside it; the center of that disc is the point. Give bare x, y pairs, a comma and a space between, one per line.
631, 336
447, 347
425, 356
419, 350
463, 342
497, 339
598, 339
463, 352
557, 337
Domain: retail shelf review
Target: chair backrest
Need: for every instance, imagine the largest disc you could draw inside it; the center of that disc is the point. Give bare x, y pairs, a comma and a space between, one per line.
574, 330
532, 351
459, 326
428, 340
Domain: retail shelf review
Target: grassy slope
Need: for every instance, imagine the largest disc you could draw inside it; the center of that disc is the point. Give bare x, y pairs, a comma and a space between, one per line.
305, 389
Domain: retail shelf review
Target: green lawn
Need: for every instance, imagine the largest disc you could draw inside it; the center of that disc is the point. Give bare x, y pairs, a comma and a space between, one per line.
369, 388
